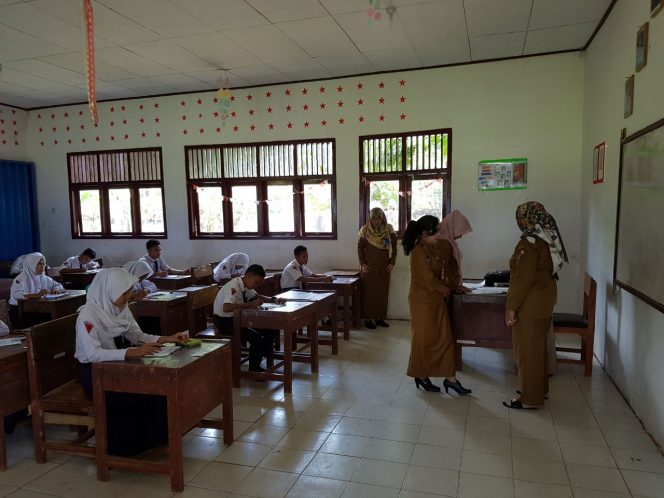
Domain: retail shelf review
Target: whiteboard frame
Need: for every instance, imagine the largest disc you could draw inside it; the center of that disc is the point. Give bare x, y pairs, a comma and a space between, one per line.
616, 282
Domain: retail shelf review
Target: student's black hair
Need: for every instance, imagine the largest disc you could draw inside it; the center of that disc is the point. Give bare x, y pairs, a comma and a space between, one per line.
425, 225
257, 270
299, 250
90, 253
151, 243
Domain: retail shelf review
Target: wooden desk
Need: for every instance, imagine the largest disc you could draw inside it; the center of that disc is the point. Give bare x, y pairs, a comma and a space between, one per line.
326, 306
343, 273
289, 318
54, 308
79, 279
172, 282
193, 387
14, 388
478, 320
169, 307
200, 300
347, 288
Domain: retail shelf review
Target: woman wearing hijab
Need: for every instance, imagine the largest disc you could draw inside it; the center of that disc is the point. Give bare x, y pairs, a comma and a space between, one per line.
433, 278
231, 266
454, 226
142, 271
539, 255
135, 422
377, 252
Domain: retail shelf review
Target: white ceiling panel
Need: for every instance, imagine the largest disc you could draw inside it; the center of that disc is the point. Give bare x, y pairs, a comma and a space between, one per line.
288, 10
497, 46
217, 79
488, 17
318, 36
170, 54
435, 54
434, 22
268, 44
346, 64
181, 82
47, 71
223, 14
30, 81
129, 61
257, 74
218, 50
393, 58
548, 13
381, 35
308, 71
75, 61
561, 38
16, 45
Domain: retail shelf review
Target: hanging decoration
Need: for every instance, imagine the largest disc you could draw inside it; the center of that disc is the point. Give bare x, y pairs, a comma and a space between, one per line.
225, 97
374, 12
90, 59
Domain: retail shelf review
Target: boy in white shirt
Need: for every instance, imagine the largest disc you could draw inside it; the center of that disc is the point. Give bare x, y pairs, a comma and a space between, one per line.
239, 294
83, 262
296, 272
156, 263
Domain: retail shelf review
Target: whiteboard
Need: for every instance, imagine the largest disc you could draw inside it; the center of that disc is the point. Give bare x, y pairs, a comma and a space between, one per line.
639, 257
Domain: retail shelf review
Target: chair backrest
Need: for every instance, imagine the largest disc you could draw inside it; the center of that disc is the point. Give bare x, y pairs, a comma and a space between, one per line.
204, 297
51, 348
202, 274
589, 299
4, 313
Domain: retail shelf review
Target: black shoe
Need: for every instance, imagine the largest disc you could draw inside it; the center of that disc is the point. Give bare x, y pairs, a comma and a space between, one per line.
369, 324
426, 384
456, 387
382, 323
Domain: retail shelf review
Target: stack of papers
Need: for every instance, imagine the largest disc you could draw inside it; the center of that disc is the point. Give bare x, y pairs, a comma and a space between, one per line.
270, 306
164, 351
11, 341
56, 296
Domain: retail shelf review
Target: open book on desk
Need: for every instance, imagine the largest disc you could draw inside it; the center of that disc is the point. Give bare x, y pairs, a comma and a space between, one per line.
270, 306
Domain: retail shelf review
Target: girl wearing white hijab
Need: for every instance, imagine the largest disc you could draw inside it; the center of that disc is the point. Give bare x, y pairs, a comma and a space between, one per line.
135, 422
232, 266
142, 271
32, 283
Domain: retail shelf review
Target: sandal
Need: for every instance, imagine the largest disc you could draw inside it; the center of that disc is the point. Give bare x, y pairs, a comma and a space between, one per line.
517, 405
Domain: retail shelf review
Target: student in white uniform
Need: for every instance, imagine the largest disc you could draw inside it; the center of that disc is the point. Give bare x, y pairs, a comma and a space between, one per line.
142, 272
296, 272
32, 282
231, 266
135, 422
82, 262
239, 294
157, 264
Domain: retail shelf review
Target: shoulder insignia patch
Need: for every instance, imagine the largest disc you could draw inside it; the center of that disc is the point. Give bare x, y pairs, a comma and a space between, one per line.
233, 291
88, 326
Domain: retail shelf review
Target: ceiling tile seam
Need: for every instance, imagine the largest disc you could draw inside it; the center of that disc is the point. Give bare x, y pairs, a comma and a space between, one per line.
101, 2
33, 36
465, 19
565, 25
336, 21
525, 38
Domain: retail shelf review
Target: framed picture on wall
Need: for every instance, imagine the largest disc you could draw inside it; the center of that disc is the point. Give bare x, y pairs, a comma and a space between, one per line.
629, 96
655, 7
598, 162
642, 47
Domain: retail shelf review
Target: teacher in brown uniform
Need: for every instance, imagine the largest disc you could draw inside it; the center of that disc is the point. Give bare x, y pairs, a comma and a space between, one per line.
377, 252
534, 267
434, 275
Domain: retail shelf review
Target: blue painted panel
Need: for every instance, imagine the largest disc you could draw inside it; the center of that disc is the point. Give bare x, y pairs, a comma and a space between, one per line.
19, 229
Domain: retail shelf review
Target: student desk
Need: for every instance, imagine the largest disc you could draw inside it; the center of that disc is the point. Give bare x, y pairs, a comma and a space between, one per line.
14, 388
290, 318
169, 307
193, 385
326, 305
271, 284
478, 319
54, 308
349, 289
343, 273
200, 299
172, 282
78, 279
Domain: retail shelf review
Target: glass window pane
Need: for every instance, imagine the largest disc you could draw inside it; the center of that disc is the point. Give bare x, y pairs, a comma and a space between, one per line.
385, 195
152, 212
90, 211
245, 210
280, 208
318, 207
119, 204
426, 198
210, 209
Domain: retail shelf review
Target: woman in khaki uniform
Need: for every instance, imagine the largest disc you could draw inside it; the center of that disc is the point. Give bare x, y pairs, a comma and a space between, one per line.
434, 275
377, 252
532, 295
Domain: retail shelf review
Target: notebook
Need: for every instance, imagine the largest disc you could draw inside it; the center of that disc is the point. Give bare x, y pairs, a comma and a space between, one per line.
11, 341
56, 296
164, 351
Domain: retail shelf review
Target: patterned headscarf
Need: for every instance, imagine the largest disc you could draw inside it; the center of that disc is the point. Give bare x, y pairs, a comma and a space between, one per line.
378, 237
540, 224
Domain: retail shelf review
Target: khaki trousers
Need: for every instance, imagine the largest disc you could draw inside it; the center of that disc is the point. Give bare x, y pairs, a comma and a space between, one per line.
529, 340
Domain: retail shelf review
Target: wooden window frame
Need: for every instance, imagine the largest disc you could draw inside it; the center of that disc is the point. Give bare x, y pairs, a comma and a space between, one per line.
405, 177
261, 182
103, 187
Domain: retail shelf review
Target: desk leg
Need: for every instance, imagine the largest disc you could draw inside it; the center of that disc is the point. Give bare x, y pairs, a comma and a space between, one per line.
346, 317
289, 334
357, 307
236, 348
3, 449
101, 434
174, 444
312, 330
334, 329
227, 407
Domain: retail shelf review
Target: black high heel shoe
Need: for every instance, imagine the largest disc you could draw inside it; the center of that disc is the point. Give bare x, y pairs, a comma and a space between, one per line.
427, 385
456, 387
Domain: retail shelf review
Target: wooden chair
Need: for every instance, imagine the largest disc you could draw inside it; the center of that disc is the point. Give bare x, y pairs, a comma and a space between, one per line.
202, 275
57, 396
581, 325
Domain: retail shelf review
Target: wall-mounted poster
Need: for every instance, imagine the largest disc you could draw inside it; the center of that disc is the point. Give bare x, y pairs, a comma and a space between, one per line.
598, 162
629, 96
655, 7
503, 174
642, 47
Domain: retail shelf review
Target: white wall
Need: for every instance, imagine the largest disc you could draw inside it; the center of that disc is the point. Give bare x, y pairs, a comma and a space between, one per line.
13, 123
521, 108
630, 335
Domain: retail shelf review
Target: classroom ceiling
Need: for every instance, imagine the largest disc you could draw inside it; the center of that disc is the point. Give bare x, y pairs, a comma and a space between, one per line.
150, 47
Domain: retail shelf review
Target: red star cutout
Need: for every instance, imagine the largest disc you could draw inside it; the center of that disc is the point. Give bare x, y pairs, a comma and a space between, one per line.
52, 116
215, 114
290, 125
112, 109
269, 110
381, 117
287, 92
96, 125
402, 82
40, 130
305, 91
124, 121
67, 128
156, 120
83, 140
232, 98
323, 123
66, 114
199, 101
82, 127
156, 105
360, 102
321, 89
54, 129
306, 124
126, 137
322, 105
341, 120
97, 139
41, 143
183, 103
112, 123
340, 103
184, 132
236, 128
4, 142
215, 100
217, 129
123, 108
381, 85
250, 97
381, 100
54, 141
233, 114
268, 94
68, 141
38, 116
200, 115
14, 123
251, 112
403, 116
142, 120
143, 134
201, 131
112, 138
402, 99
2, 132
140, 107
361, 119
184, 117
252, 127
305, 107
288, 108
340, 89
360, 86
80, 113
270, 126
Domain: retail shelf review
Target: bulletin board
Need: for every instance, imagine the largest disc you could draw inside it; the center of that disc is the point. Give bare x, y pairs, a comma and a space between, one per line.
503, 174
639, 254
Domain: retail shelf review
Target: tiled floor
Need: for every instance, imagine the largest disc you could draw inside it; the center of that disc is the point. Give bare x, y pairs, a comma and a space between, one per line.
360, 429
